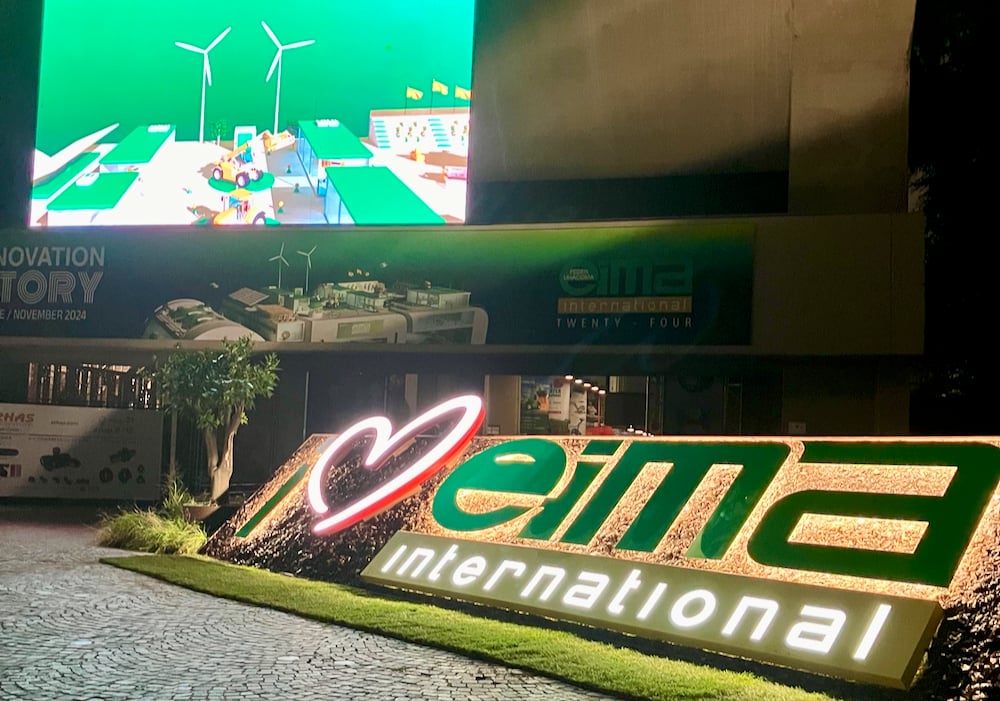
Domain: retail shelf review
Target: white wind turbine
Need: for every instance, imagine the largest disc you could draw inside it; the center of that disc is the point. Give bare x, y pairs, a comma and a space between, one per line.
206, 74
309, 265
276, 63
281, 259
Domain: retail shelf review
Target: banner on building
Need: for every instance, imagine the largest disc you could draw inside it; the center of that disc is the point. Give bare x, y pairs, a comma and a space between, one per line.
671, 283
79, 453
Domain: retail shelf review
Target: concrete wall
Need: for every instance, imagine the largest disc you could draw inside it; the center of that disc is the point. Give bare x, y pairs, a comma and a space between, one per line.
849, 102
583, 89
592, 88
839, 285
837, 399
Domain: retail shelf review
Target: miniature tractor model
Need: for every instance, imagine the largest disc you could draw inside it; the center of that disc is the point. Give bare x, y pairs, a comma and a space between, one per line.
235, 167
241, 210
273, 142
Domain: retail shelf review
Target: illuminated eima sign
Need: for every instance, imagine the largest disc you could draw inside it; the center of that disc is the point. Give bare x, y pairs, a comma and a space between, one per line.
828, 555
842, 633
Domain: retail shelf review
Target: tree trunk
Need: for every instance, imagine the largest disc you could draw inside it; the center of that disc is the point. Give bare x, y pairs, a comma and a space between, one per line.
221, 475
172, 469
220, 458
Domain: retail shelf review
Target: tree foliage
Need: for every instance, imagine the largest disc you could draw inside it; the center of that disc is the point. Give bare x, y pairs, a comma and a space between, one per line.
216, 388
953, 148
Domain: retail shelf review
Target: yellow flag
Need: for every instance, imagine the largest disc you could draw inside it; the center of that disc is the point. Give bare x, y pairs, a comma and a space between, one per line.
413, 94
438, 86
462, 93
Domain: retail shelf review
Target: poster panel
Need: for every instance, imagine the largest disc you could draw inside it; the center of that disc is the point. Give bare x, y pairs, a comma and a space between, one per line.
688, 283
79, 453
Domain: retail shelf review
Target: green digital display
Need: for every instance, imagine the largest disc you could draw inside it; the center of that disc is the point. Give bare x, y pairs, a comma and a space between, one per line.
205, 99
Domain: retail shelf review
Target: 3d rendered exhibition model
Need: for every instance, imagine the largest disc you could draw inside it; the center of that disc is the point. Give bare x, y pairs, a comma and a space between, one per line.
360, 308
320, 114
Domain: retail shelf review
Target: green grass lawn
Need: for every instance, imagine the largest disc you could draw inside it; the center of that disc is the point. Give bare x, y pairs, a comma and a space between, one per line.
549, 652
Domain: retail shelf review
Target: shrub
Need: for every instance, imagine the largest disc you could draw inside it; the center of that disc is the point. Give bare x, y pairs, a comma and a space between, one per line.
164, 531
175, 496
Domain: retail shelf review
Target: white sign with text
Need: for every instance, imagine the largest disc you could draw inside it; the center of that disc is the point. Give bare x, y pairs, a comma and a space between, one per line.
79, 453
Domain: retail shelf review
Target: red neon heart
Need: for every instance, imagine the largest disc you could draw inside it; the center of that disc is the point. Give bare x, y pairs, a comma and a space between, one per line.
383, 446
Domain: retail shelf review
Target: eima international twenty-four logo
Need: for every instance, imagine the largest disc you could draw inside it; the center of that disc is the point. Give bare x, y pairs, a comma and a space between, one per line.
827, 555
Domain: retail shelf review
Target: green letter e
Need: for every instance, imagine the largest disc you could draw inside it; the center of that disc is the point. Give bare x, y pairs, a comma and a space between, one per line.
530, 466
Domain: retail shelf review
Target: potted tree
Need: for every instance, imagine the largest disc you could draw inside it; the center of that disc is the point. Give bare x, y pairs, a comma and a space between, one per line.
219, 129
215, 389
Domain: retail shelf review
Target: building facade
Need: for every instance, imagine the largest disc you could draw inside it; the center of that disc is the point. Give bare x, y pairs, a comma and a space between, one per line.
652, 126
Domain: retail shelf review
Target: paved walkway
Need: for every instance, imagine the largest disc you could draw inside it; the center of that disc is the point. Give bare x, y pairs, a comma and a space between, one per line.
72, 628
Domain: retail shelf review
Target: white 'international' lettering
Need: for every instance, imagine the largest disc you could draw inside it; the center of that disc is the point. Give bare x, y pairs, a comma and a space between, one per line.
813, 636
423, 554
588, 589
769, 609
555, 574
678, 612
816, 630
872, 632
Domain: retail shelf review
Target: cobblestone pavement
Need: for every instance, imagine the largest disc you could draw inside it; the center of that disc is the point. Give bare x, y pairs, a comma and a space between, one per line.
72, 628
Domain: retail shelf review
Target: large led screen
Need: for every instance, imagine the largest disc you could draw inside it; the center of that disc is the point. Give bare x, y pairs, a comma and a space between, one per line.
253, 112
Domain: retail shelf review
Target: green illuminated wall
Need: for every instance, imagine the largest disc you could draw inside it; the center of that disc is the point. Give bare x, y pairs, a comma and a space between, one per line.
107, 61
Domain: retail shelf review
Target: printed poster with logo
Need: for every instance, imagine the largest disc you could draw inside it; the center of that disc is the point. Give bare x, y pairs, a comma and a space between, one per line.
687, 283
79, 453
535, 405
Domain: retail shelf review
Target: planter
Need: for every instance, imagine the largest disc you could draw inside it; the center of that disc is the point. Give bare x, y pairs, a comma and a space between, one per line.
212, 523
199, 512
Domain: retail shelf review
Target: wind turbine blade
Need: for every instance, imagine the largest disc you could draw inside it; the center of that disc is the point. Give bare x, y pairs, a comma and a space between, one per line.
208, 70
274, 258
218, 39
270, 34
299, 44
188, 47
282, 259
312, 250
274, 64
